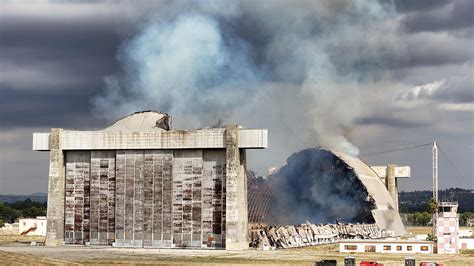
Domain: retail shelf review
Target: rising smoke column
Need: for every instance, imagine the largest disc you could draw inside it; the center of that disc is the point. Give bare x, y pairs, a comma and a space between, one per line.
317, 186
300, 68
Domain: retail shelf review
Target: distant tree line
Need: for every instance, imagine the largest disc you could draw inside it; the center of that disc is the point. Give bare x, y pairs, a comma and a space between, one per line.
424, 219
9, 212
418, 201
416, 211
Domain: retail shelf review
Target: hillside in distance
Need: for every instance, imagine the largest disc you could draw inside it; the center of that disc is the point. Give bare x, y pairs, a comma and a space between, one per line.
37, 197
417, 201
414, 201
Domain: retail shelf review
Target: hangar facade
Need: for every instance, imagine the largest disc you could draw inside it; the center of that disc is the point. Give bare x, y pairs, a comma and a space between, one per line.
138, 183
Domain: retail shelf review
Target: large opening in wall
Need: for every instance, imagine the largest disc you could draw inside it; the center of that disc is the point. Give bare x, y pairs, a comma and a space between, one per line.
307, 188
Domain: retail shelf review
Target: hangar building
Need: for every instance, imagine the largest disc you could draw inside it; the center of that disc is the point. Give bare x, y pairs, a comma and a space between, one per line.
138, 183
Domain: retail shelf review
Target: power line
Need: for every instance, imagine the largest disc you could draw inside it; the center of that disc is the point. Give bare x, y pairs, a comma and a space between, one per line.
451, 167
398, 149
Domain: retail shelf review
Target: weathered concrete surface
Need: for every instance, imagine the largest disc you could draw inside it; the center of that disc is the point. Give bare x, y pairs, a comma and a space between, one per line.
136, 184
143, 121
391, 184
211, 138
385, 215
236, 198
56, 193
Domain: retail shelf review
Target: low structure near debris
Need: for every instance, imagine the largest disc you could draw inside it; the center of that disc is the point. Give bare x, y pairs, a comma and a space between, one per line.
386, 246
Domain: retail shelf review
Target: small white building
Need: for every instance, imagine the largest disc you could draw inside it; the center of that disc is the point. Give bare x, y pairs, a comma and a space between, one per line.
386, 246
466, 239
10, 228
466, 243
33, 226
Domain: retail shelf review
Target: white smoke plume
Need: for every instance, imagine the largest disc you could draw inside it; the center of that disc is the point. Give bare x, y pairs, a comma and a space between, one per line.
299, 68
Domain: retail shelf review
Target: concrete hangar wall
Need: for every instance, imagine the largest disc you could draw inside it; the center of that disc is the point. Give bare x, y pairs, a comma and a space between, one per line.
139, 184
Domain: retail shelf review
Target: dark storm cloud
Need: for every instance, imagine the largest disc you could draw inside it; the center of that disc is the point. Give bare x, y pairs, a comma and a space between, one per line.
419, 5
457, 90
436, 49
455, 15
43, 108
389, 121
51, 67
55, 55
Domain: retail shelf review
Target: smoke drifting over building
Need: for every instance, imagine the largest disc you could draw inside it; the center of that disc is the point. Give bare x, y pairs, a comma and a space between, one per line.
309, 63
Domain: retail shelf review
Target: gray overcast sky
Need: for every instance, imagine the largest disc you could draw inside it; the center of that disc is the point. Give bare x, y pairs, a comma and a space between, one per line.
55, 58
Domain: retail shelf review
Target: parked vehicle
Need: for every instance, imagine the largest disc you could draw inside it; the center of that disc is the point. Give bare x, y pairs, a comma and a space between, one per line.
326, 263
370, 263
349, 261
409, 261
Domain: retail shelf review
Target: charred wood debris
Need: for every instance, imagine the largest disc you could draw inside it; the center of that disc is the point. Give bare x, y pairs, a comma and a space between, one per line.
307, 234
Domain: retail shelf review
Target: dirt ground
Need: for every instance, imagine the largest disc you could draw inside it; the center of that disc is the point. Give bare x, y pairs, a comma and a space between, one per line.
16, 250
427, 229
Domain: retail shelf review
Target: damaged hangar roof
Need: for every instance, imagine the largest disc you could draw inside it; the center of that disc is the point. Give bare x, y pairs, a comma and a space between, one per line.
149, 130
322, 186
385, 215
141, 121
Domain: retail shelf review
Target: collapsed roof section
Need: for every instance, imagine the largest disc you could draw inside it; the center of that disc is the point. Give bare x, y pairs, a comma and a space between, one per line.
385, 214
322, 186
142, 121
150, 130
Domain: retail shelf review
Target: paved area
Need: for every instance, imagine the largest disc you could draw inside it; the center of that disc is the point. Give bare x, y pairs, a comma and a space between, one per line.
23, 254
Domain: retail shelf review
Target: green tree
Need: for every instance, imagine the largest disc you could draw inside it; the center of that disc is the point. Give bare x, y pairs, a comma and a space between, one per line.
33, 212
8, 214
433, 205
466, 219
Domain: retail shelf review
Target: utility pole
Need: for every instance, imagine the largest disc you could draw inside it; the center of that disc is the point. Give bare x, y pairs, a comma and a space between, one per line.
435, 185
435, 171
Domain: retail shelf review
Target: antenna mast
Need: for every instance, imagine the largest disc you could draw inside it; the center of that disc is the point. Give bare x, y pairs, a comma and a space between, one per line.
435, 171
435, 186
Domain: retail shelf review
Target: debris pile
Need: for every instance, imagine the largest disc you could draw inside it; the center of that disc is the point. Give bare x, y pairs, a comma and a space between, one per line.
308, 234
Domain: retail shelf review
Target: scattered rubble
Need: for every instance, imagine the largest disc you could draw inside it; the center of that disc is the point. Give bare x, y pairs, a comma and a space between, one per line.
308, 234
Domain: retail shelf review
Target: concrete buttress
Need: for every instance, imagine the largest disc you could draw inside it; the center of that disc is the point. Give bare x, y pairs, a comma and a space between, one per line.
391, 184
236, 198
56, 185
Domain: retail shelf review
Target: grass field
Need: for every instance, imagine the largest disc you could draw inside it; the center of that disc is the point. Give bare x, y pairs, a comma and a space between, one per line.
8, 239
417, 230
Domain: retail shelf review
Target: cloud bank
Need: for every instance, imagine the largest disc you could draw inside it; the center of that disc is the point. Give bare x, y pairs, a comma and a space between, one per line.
214, 61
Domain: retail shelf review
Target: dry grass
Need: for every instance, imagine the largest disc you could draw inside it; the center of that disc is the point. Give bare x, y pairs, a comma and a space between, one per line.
10, 258
17, 253
8, 239
115, 256
418, 230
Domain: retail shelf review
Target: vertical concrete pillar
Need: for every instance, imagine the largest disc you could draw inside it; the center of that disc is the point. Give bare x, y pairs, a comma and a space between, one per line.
236, 193
56, 190
391, 184
243, 184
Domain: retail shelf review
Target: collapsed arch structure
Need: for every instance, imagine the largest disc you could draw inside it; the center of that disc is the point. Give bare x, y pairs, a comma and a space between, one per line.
323, 186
